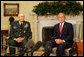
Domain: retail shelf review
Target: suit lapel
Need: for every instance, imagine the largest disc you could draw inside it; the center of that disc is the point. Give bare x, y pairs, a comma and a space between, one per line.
58, 28
18, 25
24, 25
64, 27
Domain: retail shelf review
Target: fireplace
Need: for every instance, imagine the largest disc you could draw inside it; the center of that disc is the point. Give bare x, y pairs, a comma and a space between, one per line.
47, 33
45, 28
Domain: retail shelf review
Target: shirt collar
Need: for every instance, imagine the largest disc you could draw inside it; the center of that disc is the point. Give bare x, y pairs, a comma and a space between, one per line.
20, 22
62, 24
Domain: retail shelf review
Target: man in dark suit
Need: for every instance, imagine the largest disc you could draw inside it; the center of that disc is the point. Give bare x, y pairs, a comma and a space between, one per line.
20, 32
62, 37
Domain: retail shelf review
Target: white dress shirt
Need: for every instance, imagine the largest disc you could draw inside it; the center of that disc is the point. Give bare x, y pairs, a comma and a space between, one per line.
20, 22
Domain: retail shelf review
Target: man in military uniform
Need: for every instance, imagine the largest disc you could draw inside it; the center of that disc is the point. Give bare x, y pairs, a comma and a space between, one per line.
20, 32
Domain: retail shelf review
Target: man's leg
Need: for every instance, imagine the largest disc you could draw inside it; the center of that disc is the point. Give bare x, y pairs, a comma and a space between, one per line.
48, 47
21, 50
12, 43
61, 48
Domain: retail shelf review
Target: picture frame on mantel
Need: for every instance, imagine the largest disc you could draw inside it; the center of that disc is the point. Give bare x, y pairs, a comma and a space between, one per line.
11, 9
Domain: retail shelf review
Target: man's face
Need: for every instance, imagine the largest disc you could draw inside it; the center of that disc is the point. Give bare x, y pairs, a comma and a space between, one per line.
61, 18
21, 17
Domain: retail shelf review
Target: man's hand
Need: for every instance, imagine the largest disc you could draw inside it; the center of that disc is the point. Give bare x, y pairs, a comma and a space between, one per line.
19, 40
59, 41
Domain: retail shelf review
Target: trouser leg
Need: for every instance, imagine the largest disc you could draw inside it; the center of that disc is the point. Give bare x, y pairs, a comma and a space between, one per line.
61, 48
60, 51
12, 51
12, 43
48, 47
22, 50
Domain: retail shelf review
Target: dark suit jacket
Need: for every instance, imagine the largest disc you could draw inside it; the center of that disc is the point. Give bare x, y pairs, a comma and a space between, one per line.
67, 32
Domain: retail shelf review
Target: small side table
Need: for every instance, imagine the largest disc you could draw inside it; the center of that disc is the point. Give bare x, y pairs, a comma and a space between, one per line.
80, 48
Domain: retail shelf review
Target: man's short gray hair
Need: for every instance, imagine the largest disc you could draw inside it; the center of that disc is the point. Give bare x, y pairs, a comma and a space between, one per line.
61, 13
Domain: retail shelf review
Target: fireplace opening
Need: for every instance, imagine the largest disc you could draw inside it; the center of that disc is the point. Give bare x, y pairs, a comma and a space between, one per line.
47, 33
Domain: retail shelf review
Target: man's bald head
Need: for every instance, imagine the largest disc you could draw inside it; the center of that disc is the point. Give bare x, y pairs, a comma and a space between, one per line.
21, 17
61, 17
20, 14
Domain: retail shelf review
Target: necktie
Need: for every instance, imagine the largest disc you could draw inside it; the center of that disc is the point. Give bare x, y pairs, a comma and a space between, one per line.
21, 26
60, 29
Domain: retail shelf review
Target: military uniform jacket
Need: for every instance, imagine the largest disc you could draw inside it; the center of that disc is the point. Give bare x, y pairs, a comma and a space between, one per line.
18, 30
